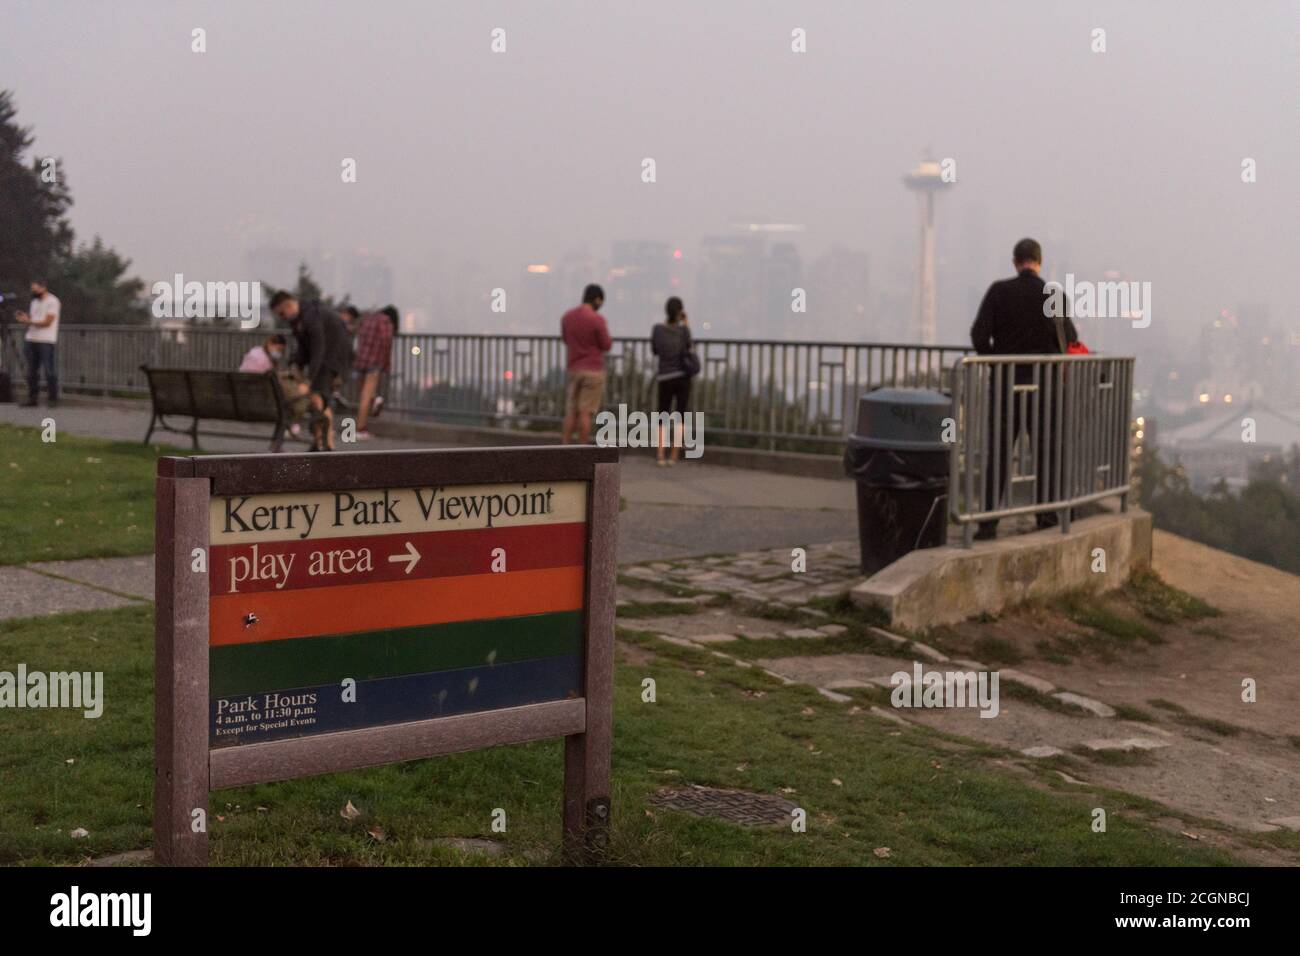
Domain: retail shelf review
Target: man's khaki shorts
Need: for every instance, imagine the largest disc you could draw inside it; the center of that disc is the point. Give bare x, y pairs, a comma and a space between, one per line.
584, 392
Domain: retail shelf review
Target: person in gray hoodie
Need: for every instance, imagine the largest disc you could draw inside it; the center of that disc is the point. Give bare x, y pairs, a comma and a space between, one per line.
670, 340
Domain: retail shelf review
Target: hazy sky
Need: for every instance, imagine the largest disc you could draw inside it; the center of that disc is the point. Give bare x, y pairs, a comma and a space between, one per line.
1129, 159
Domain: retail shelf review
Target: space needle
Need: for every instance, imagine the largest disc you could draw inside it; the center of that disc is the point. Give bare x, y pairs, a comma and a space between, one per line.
926, 180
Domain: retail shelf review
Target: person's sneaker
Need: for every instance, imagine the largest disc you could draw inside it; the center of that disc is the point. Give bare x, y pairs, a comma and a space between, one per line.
364, 435
661, 463
294, 429
376, 406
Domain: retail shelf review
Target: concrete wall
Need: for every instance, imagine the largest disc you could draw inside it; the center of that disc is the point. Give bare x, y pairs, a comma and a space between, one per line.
945, 585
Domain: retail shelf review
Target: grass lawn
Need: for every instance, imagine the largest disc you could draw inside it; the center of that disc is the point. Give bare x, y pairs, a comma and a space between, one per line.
74, 497
865, 783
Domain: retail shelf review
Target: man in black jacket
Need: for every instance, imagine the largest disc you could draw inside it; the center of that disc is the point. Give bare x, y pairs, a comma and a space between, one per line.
324, 351
1015, 318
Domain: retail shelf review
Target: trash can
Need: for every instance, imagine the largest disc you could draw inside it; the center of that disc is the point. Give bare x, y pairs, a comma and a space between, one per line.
899, 459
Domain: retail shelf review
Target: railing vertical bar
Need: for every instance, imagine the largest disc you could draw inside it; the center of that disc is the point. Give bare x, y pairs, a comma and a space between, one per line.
1059, 426
1094, 443
1126, 454
1034, 426
993, 489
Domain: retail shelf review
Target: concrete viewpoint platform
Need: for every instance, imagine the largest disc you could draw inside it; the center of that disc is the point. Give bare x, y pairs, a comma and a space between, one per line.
945, 585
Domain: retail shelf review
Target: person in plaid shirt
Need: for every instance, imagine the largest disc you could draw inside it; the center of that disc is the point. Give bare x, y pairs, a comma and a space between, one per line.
374, 352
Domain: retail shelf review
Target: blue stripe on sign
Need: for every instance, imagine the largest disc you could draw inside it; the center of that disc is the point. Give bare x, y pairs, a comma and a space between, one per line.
306, 711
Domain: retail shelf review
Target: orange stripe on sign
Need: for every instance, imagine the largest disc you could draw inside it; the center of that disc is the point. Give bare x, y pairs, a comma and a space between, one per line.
376, 607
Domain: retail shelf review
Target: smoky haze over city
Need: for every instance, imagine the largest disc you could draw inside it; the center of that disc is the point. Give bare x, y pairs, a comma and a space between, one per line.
524, 169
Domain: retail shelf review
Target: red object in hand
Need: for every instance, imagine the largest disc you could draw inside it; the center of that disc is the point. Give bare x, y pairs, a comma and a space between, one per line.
1077, 348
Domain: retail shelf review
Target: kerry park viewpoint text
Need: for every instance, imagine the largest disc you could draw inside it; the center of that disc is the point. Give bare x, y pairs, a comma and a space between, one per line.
350, 510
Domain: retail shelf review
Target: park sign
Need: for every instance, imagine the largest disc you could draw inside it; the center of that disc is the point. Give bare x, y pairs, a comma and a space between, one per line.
317, 613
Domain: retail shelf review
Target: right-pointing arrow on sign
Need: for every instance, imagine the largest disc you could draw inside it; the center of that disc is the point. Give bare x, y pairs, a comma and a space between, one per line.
410, 556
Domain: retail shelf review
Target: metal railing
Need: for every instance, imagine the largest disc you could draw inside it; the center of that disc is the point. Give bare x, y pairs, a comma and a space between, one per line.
1038, 435
755, 393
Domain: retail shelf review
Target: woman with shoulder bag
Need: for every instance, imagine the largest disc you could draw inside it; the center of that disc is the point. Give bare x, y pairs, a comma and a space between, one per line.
671, 342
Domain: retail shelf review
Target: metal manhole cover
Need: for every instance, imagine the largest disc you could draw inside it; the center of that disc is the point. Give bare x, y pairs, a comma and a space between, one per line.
735, 806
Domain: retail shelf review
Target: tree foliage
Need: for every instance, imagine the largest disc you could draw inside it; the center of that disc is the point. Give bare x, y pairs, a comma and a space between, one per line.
1262, 522
93, 287
306, 289
33, 209
36, 241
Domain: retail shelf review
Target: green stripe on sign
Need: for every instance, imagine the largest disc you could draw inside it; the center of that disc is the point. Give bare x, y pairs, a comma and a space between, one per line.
369, 655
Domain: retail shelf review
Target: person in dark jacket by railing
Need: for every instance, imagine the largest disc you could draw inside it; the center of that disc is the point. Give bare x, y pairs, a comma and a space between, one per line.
671, 342
324, 352
1014, 319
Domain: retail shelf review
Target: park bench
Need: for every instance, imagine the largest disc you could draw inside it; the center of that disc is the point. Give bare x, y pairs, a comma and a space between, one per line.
217, 396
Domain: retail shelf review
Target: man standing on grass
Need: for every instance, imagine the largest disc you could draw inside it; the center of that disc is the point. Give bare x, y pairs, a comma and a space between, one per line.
586, 339
39, 347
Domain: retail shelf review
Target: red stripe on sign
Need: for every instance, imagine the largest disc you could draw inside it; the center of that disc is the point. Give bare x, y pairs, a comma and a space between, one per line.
328, 562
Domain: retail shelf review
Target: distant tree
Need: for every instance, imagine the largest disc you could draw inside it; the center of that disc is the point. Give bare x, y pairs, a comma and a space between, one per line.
1261, 523
1284, 469
1267, 525
93, 287
34, 230
36, 240
306, 289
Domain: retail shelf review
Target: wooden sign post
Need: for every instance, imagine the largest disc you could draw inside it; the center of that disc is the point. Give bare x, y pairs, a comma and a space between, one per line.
318, 613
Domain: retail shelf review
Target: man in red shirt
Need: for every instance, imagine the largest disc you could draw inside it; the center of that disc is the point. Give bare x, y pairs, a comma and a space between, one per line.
586, 339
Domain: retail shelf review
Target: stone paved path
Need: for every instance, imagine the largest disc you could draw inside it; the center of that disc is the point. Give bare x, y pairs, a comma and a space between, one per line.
763, 577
